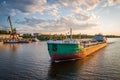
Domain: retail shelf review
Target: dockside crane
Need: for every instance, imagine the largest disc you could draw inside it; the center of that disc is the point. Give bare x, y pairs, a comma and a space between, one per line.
13, 33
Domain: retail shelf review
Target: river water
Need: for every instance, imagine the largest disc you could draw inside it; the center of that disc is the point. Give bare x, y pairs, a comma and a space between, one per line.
32, 62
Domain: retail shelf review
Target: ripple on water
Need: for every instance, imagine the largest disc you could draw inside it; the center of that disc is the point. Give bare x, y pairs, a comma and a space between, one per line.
32, 62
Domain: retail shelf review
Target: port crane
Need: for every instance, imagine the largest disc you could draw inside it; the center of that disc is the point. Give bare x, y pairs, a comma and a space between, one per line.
13, 32
14, 35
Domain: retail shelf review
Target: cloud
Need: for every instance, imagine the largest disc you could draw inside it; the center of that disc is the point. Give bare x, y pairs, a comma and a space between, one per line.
31, 21
106, 3
3, 8
79, 17
33, 6
61, 24
118, 7
83, 4
24, 6
54, 12
3, 27
82, 17
113, 2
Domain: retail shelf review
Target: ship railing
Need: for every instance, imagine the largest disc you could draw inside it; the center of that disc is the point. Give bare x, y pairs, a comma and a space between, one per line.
85, 43
89, 43
63, 42
56, 41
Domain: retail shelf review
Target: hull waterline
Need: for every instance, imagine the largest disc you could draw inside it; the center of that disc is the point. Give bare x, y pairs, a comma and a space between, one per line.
78, 55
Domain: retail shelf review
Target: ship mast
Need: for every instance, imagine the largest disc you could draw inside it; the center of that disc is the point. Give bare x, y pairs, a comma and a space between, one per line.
70, 33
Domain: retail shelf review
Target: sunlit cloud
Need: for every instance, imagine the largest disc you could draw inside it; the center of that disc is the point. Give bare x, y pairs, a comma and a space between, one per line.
54, 15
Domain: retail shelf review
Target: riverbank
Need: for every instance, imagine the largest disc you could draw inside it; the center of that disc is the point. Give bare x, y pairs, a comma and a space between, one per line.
3, 36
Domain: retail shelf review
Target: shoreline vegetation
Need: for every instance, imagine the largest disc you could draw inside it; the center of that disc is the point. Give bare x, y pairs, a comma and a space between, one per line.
44, 37
4, 32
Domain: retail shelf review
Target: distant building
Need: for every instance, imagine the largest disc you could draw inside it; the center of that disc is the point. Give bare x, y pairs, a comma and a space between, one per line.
20, 35
36, 34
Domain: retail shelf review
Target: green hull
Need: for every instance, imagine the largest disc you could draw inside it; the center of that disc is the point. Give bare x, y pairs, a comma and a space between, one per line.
71, 51
64, 48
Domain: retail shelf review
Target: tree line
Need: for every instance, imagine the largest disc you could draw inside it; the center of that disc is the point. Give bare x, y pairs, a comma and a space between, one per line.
43, 37
4, 32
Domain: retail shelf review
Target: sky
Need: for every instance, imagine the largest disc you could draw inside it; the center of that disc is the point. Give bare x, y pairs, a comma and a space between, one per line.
58, 16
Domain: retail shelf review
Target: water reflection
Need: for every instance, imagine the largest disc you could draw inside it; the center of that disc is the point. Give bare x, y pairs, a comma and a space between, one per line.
32, 62
80, 69
1, 44
102, 65
67, 70
11, 47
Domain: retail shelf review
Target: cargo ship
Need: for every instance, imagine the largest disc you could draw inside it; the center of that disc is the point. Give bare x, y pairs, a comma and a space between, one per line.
61, 50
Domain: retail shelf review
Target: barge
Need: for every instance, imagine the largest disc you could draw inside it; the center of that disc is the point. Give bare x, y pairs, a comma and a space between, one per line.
16, 41
71, 49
